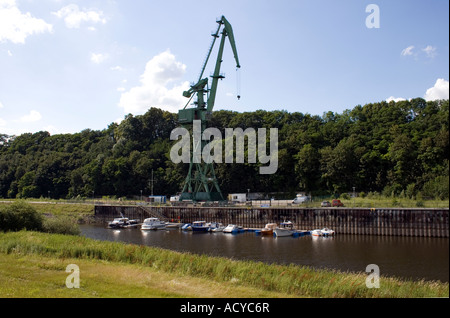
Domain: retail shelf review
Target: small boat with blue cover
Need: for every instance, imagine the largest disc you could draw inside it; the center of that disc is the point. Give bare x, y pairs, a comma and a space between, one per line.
200, 226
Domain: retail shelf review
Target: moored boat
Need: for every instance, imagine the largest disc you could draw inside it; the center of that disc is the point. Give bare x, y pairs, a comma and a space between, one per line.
153, 224
200, 226
327, 232
187, 227
286, 228
229, 228
216, 227
322, 232
233, 228
120, 223
117, 223
268, 229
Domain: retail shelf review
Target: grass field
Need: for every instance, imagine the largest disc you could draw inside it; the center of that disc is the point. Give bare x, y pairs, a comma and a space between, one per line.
34, 276
81, 212
85, 210
33, 264
385, 202
381, 202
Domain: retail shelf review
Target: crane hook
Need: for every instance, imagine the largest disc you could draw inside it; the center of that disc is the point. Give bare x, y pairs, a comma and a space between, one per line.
238, 82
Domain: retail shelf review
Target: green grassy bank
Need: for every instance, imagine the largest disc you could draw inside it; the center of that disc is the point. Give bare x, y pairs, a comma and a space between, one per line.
81, 212
32, 264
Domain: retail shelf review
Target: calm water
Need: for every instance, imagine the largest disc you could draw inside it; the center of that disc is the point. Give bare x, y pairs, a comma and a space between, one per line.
407, 257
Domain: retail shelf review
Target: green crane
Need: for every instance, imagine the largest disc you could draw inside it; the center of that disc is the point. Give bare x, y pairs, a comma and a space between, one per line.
201, 183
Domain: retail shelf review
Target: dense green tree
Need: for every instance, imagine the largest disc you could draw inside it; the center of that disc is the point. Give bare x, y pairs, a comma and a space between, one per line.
395, 147
307, 168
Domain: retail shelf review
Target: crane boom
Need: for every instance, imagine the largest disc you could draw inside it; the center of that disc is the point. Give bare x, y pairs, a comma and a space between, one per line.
230, 33
227, 31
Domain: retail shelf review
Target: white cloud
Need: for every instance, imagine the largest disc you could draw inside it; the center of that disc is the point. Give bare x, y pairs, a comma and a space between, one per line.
73, 16
1, 105
395, 99
408, 51
33, 116
160, 71
430, 51
98, 58
16, 26
440, 90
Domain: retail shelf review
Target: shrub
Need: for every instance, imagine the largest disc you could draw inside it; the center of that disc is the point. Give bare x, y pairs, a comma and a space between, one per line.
20, 215
392, 190
61, 225
373, 195
437, 188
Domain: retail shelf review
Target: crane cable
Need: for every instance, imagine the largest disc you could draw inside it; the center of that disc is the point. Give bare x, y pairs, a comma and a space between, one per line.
238, 82
188, 101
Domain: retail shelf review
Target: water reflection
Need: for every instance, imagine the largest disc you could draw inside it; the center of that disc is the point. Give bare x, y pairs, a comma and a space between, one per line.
411, 257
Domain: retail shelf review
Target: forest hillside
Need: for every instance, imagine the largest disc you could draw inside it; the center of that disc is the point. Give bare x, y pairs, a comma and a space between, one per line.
395, 148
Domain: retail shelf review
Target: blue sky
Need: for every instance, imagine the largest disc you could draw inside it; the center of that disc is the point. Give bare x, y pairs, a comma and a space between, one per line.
68, 65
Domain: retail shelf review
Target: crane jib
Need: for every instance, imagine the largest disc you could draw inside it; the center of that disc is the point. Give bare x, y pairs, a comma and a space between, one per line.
199, 87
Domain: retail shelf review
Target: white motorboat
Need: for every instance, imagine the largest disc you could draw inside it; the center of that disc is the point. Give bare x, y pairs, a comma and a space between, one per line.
327, 232
229, 228
187, 227
233, 228
117, 223
323, 232
120, 223
285, 229
216, 227
153, 224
